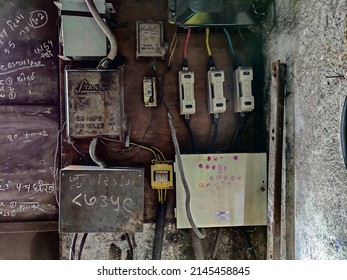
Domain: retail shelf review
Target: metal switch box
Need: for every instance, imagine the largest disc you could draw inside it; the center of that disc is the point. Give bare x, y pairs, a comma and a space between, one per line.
94, 199
95, 103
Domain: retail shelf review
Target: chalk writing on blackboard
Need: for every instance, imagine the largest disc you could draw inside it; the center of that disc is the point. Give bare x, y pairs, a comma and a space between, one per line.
28, 53
14, 207
37, 187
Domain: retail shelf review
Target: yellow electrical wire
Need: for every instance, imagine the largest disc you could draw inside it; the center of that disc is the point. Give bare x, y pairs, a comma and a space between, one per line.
146, 148
172, 48
159, 198
162, 155
208, 41
152, 149
162, 195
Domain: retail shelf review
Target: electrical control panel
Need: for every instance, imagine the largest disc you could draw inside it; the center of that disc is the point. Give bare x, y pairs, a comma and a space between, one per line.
95, 103
243, 98
216, 102
80, 34
149, 91
186, 88
161, 175
150, 39
225, 190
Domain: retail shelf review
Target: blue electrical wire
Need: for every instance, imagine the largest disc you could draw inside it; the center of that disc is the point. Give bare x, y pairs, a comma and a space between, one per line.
236, 61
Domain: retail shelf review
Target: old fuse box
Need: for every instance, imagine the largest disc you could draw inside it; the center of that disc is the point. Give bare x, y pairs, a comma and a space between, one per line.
95, 103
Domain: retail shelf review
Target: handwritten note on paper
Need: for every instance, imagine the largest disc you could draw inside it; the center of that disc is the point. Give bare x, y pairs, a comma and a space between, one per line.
101, 200
28, 52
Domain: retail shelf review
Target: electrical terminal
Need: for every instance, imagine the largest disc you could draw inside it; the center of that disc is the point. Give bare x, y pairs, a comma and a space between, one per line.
186, 89
243, 98
216, 101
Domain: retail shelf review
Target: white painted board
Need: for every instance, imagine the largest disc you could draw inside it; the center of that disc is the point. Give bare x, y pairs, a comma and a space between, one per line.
226, 190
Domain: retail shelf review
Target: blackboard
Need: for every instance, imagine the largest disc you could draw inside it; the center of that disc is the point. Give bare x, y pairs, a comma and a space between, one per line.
28, 52
93, 199
27, 151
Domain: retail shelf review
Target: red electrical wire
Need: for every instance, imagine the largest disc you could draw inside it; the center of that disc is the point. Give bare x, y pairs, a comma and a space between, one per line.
186, 44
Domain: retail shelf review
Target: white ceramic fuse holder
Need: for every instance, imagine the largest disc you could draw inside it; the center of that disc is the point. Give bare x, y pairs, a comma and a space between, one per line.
186, 88
216, 101
244, 100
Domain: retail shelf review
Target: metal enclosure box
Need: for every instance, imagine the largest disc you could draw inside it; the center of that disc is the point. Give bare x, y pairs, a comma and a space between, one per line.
226, 190
210, 12
81, 35
94, 199
95, 103
150, 39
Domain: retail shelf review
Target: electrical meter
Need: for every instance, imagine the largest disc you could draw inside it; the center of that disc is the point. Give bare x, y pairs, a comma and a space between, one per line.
150, 39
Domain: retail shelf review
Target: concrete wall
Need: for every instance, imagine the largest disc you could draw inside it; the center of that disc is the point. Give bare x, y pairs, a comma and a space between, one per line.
310, 37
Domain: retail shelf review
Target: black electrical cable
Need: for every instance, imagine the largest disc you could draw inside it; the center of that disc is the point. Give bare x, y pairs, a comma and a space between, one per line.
245, 236
131, 249
215, 133
83, 241
191, 135
247, 46
240, 127
159, 231
73, 246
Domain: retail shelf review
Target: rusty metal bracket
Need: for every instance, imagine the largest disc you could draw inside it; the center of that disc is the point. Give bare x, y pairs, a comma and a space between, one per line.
275, 160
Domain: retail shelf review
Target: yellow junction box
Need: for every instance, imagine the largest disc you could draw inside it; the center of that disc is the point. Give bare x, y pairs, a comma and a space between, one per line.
161, 175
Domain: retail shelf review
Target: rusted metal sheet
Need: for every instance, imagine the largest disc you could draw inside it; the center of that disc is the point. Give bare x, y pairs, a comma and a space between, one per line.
28, 52
275, 161
28, 140
94, 102
94, 199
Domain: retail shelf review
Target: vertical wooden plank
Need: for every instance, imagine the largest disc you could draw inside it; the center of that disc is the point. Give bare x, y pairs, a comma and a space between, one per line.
275, 161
